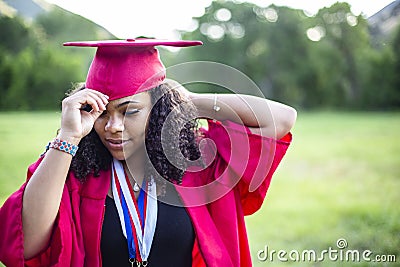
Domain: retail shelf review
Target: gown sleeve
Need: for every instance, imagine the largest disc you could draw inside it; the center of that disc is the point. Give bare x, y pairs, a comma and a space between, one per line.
12, 237
245, 161
11, 241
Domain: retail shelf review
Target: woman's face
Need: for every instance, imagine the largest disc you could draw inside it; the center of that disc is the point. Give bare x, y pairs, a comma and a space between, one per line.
122, 127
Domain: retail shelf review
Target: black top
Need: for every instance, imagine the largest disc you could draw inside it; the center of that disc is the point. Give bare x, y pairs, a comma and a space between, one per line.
173, 239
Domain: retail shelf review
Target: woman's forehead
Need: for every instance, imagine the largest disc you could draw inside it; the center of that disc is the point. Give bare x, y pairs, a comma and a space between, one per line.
140, 98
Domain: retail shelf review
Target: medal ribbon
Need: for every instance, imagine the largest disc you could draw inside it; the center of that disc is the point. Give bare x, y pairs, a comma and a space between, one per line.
138, 218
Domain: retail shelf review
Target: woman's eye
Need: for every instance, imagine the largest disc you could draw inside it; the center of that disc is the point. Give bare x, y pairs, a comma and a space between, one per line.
131, 112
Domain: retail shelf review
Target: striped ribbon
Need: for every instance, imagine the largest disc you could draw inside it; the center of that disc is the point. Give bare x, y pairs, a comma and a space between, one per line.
138, 218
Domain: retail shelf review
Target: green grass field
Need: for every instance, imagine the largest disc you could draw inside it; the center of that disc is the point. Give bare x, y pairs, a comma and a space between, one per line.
339, 179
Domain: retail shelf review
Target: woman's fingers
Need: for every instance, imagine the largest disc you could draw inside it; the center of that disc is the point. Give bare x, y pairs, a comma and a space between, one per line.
96, 100
80, 110
101, 99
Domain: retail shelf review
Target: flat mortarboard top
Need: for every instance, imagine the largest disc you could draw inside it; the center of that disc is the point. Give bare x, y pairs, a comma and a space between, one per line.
122, 68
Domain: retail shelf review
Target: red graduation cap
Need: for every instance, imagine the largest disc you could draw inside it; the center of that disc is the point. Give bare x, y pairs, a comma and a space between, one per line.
122, 68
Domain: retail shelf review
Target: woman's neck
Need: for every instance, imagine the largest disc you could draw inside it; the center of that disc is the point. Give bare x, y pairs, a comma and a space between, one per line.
135, 172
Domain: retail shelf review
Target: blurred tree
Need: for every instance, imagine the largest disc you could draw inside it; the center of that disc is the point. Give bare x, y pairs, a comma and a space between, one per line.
266, 43
18, 38
58, 26
16, 35
33, 75
289, 65
322, 61
39, 80
54, 74
62, 26
5, 76
346, 37
379, 90
35, 70
394, 98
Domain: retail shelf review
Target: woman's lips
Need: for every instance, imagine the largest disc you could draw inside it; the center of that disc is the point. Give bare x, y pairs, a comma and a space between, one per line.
116, 143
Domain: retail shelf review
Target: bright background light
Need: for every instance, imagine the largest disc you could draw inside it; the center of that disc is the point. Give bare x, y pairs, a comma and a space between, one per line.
161, 19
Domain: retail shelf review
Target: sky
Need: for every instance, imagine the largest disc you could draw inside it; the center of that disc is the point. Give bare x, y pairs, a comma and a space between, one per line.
161, 18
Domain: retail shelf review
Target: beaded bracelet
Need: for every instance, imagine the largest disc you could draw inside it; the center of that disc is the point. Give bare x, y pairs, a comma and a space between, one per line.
63, 146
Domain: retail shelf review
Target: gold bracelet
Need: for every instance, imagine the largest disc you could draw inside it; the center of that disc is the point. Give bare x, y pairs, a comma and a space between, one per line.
215, 107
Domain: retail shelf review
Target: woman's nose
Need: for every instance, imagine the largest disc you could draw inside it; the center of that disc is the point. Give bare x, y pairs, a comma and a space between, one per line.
114, 124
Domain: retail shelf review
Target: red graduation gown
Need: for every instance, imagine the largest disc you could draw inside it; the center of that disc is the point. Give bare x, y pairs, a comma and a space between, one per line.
241, 165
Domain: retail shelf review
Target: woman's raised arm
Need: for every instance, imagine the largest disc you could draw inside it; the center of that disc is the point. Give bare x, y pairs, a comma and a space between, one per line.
262, 116
42, 195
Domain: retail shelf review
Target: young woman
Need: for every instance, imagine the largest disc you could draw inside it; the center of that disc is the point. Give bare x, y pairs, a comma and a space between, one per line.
147, 186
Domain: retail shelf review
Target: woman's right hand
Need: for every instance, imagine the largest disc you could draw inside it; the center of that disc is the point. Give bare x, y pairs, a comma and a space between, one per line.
76, 122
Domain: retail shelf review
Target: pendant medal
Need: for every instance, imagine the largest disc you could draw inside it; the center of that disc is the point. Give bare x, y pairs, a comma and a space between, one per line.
136, 187
136, 263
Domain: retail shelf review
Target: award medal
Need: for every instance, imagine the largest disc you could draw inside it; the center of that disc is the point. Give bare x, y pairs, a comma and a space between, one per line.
138, 217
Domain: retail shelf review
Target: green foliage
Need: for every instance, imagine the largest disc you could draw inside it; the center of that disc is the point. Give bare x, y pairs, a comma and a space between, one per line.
395, 100
37, 79
340, 69
62, 26
35, 70
16, 35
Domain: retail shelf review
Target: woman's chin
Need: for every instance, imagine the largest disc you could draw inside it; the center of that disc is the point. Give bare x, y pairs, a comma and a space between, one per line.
118, 156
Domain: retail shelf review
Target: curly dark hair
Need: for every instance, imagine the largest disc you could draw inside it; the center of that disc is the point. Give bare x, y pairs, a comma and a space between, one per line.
171, 109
